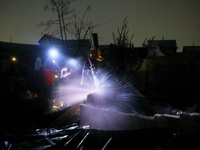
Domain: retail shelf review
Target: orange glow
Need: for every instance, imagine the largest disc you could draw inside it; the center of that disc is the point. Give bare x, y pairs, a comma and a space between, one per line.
14, 59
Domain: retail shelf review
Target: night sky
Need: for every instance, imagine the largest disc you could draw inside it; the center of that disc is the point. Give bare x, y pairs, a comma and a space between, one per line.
169, 19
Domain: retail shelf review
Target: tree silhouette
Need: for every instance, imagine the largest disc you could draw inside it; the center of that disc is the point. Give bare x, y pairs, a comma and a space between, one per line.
121, 47
68, 21
122, 39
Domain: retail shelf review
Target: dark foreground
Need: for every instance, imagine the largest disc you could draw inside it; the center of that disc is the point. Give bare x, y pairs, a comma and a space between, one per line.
73, 137
28, 124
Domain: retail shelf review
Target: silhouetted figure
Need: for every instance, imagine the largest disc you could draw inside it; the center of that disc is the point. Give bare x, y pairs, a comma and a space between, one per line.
64, 77
38, 70
89, 69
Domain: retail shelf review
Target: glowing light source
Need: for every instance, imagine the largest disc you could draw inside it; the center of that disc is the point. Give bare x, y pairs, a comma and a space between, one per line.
56, 76
14, 59
53, 52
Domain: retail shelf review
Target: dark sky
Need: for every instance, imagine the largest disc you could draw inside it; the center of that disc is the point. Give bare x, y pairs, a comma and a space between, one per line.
172, 19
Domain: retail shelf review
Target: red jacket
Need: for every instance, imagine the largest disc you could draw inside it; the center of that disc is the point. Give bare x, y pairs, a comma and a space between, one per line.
48, 76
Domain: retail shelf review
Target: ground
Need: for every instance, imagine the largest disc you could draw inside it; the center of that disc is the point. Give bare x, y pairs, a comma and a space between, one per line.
28, 122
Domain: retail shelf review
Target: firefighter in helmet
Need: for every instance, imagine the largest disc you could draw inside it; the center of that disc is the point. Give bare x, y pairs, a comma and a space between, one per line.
89, 68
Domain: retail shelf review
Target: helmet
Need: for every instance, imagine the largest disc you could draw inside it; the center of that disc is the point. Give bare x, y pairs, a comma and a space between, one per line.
93, 53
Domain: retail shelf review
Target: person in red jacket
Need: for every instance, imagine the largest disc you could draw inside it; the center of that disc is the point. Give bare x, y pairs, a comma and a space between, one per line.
48, 80
48, 75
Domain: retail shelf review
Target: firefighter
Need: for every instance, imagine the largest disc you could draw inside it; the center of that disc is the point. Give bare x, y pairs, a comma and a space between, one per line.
64, 75
48, 75
89, 68
65, 72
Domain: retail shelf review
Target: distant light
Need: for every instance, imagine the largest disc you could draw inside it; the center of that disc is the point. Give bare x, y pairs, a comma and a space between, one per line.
14, 59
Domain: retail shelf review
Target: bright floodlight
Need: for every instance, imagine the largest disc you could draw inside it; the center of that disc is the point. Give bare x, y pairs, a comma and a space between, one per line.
53, 52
